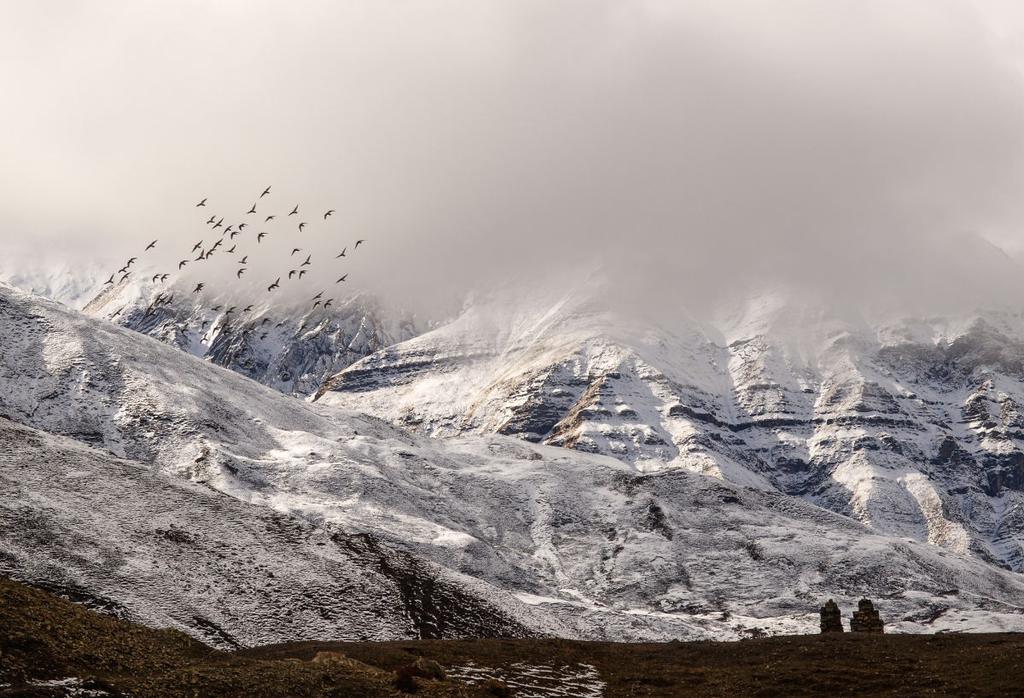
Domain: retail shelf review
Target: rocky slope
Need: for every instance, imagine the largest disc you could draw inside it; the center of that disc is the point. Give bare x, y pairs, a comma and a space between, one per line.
912, 428
523, 537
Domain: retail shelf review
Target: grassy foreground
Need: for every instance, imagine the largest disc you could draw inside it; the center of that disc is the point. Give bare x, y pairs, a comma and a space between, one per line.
43, 637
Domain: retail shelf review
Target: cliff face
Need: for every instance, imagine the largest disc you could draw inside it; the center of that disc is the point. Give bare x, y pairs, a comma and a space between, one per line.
912, 427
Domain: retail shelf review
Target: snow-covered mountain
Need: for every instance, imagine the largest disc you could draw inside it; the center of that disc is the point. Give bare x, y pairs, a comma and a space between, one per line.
288, 347
911, 427
527, 538
72, 283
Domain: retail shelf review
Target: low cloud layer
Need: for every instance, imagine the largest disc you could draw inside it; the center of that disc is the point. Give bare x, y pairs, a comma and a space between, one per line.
862, 150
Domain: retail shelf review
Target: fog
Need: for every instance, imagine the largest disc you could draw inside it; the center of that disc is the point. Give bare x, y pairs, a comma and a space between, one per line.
866, 151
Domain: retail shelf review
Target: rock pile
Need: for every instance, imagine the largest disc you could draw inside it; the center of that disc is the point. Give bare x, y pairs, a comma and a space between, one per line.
831, 618
866, 619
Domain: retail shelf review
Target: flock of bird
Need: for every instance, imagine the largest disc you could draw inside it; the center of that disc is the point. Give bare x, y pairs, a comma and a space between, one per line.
229, 234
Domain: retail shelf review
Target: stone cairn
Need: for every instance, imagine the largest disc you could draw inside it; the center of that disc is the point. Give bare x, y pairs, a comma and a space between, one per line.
831, 618
865, 619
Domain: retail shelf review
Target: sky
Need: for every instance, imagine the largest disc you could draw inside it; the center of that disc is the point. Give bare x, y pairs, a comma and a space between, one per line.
857, 149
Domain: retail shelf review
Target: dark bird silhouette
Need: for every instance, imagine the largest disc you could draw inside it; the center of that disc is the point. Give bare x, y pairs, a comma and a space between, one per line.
251, 210
199, 287
132, 261
328, 213
218, 224
230, 310
163, 277
268, 219
242, 225
315, 305
297, 249
155, 277
122, 269
227, 230
319, 295
197, 245
341, 279
216, 308
301, 226
265, 192
182, 263
151, 245
306, 263
264, 335
232, 250
110, 280
201, 203
125, 276
247, 309
302, 273
200, 258
212, 219
244, 260
205, 323
240, 272
342, 253
271, 287
292, 273
259, 238
216, 245
327, 304
266, 319
294, 210
359, 242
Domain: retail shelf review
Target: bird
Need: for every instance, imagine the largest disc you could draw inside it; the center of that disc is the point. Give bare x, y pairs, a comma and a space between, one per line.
199, 287
319, 295
110, 280
234, 233
216, 308
328, 303
328, 213
294, 210
268, 219
247, 309
232, 250
244, 260
151, 245
297, 249
292, 273
359, 242
201, 203
212, 219
205, 323
216, 245
197, 245
341, 279
271, 287
182, 263
265, 192
163, 277
240, 272
251, 210
315, 305
259, 238
200, 258
342, 253
242, 225
266, 319
306, 263
264, 335
122, 269
155, 277
230, 310
219, 224
301, 273
125, 276
227, 230
301, 226
131, 261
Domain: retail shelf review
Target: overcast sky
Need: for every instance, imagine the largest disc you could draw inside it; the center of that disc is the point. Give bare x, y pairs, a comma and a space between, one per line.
683, 147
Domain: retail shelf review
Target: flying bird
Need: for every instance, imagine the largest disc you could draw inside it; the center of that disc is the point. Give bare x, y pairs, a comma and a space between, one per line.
199, 287
201, 203
218, 224
212, 219
232, 250
315, 305
110, 280
266, 319
359, 242
292, 273
319, 295
328, 213
151, 245
328, 303
263, 336
197, 245
163, 277
306, 263
259, 238
271, 287
294, 210
247, 309
230, 310
125, 276
155, 277
242, 225
205, 323
341, 279
240, 272
122, 269
234, 233
131, 261
301, 226
268, 219
297, 249
244, 260
251, 210
216, 245
200, 258
301, 273
227, 230
182, 263
265, 192
342, 253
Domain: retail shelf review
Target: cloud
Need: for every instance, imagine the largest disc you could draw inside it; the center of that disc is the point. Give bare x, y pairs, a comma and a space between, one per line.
854, 149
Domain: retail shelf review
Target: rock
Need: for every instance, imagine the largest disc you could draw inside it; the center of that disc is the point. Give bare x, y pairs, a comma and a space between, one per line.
865, 619
831, 618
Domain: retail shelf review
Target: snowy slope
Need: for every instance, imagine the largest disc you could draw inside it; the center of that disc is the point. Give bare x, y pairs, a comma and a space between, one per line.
287, 346
911, 427
588, 545
72, 283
